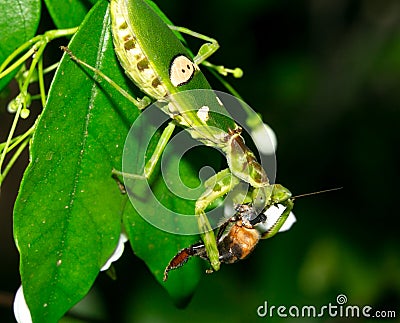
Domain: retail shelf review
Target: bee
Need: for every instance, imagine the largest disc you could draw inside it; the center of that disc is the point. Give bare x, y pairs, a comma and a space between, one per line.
236, 239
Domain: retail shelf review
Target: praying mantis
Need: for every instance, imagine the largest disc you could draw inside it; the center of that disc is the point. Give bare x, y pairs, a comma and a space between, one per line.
159, 64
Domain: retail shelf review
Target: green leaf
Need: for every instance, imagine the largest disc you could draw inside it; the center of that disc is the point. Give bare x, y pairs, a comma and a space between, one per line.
68, 14
18, 23
68, 211
67, 217
155, 246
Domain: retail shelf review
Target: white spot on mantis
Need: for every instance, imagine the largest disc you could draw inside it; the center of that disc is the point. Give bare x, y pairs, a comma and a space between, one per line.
220, 102
202, 113
181, 70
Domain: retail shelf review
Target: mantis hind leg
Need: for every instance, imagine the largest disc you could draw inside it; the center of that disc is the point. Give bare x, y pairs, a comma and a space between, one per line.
140, 103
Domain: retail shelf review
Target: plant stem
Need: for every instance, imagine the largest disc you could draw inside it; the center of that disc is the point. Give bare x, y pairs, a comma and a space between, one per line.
14, 158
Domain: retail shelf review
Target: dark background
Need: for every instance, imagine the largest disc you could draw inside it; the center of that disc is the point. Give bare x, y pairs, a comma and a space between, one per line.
326, 77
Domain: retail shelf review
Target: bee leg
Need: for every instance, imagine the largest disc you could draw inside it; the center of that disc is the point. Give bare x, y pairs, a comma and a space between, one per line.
183, 256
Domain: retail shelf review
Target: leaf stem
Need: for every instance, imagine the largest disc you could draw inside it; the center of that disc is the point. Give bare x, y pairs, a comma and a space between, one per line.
38, 45
41, 82
35, 42
14, 158
17, 140
24, 90
9, 138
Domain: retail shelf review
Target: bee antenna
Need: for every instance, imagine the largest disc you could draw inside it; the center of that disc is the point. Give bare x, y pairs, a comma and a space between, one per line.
318, 192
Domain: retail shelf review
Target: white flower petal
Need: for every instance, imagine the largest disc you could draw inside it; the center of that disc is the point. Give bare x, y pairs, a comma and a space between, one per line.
273, 213
265, 139
117, 252
21, 310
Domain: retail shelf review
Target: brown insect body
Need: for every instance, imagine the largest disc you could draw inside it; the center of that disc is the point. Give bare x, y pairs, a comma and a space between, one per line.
239, 241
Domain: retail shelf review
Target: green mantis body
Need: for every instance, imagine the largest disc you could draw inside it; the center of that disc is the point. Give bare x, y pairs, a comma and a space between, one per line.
160, 65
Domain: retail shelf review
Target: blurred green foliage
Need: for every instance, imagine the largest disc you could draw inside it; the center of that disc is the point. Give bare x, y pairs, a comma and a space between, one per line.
326, 77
